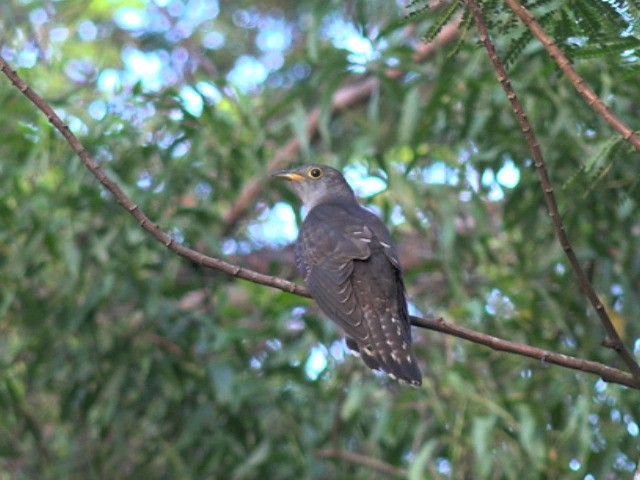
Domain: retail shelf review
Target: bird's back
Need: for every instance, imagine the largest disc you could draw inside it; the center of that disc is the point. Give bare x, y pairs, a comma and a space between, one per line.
351, 268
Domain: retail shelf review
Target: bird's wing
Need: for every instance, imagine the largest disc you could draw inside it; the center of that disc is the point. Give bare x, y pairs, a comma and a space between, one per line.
330, 240
384, 237
378, 286
352, 270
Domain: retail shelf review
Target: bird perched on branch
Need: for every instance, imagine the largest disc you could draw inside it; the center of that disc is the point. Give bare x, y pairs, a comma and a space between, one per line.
351, 267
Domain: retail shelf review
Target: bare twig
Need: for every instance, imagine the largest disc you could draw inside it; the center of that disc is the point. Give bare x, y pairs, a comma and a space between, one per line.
363, 460
576, 80
613, 341
345, 97
606, 373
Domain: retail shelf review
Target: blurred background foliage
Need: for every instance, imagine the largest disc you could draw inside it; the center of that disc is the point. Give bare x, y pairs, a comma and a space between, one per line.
122, 360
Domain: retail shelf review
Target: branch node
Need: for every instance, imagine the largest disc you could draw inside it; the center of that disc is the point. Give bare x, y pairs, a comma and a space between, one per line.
612, 344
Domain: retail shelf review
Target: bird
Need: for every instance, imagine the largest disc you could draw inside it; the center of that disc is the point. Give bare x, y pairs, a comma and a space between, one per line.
351, 267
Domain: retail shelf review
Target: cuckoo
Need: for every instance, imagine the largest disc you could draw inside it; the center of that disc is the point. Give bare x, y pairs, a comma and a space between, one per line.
351, 267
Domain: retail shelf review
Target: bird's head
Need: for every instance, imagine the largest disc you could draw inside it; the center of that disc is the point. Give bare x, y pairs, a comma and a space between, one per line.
316, 184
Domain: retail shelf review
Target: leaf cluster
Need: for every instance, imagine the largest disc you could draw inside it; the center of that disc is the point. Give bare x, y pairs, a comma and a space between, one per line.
120, 360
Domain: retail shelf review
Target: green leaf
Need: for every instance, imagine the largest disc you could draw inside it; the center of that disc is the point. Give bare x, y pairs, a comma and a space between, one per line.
411, 110
419, 464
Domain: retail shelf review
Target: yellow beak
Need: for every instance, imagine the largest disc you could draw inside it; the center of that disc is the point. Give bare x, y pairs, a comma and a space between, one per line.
290, 175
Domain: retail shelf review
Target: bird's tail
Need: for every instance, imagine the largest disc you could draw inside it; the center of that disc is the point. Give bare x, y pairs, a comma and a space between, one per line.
399, 364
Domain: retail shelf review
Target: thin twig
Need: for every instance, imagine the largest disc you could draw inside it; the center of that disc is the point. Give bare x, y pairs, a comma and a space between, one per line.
613, 341
576, 80
359, 459
606, 373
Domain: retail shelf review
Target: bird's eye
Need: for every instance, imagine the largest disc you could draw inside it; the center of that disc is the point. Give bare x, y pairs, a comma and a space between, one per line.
315, 172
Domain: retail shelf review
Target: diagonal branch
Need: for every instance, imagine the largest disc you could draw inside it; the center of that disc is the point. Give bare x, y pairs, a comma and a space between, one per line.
607, 373
613, 340
576, 80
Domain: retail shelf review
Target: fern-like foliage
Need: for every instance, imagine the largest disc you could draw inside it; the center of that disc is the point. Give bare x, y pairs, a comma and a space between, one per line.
606, 170
581, 28
421, 8
592, 28
465, 26
444, 18
600, 160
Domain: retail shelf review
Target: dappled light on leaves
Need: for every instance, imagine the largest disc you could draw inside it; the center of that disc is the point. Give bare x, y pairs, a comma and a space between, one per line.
120, 359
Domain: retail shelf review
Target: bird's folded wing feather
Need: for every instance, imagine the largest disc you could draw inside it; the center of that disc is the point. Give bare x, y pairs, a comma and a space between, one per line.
331, 238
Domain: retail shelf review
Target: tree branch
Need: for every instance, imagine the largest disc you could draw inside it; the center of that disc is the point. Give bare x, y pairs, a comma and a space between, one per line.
614, 341
576, 80
606, 373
